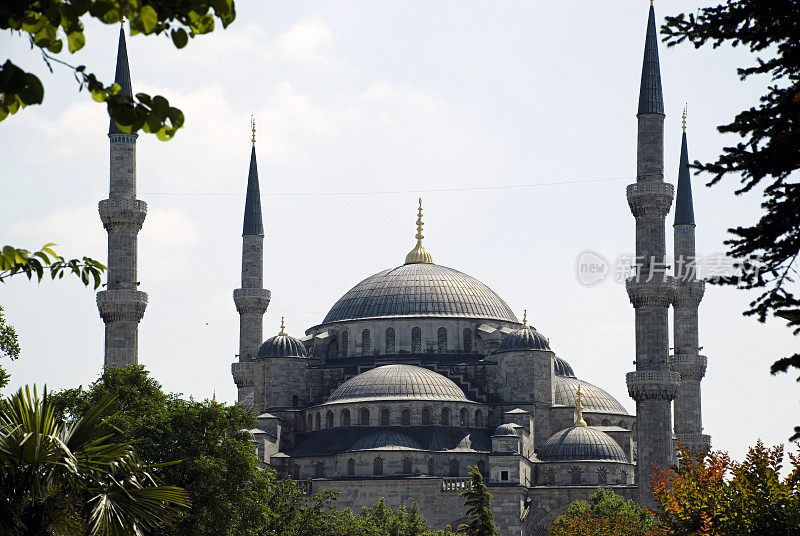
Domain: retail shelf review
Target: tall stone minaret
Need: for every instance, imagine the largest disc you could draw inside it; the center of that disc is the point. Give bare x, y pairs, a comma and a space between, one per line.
252, 299
687, 360
121, 305
653, 385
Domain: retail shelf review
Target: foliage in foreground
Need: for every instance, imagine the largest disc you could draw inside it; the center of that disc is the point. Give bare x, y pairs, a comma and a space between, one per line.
478, 501
604, 514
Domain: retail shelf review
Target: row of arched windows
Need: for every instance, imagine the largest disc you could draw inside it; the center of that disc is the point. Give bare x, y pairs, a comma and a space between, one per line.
384, 418
390, 340
576, 474
453, 468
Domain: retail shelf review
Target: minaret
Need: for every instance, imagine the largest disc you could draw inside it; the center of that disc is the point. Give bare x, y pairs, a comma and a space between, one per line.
121, 305
687, 360
653, 385
252, 299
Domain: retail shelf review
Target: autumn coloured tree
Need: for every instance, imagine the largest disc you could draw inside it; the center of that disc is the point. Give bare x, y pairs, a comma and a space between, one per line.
604, 514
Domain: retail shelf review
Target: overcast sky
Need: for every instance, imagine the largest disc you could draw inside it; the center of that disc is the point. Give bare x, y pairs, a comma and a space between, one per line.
515, 121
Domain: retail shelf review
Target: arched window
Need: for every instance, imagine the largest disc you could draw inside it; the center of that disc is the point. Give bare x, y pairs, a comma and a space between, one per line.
351, 467
344, 344
407, 466
416, 341
363, 417
296, 472
576, 475
345, 418
491, 419
623, 474
426, 416
467, 340
319, 470
482, 468
445, 417
317, 423
405, 418
389, 340
606, 422
550, 476
463, 419
431, 467
478, 418
602, 475
452, 467
622, 424
377, 467
441, 338
366, 342
384, 417
310, 422
295, 401
329, 419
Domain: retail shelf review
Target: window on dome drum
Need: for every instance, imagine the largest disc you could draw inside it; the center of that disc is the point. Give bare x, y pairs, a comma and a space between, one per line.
416, 341
602, 475
384, 417
377, 467
351, 467
345, 418
478, 418
431, 467
491, 419
329, 419
622, 424
363, 417
606, 422
463, 418
319, 470
389, 340
426, 416
310, 423
482, 468
576, 472
623, 475
504, 476
407, 466
366, 342
467, 340
405, 418
296, 472
452, 468
344, 344
550, 476
317, 424
295, 401
446, 417
441, 337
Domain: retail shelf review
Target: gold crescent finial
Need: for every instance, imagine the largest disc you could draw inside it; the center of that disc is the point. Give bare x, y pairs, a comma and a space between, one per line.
253, 129
283, 328
525, 319
419, 255
579, 409
683, 117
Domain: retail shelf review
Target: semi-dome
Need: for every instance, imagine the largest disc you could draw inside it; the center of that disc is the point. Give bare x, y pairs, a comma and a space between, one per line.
281, 346
525, 338
581, 443
594, 399
392, 382
420, 289
386, 440
506, 429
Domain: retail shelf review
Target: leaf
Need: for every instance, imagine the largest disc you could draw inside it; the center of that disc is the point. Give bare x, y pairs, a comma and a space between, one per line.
149, 19
180, 38
76, 41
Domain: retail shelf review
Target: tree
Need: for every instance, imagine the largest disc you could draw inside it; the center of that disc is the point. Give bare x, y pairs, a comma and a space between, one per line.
47, 24
74, 479
604, 514
9, 346
710, 494
478, 503
768, 157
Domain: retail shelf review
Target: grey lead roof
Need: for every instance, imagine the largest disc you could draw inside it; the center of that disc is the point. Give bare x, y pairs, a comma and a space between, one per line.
562, 368
684, 208
122, 76
420, 290
281, 346
252, 205
651, 100
392, 382
594, 399
581, 444
524, 339
386, 440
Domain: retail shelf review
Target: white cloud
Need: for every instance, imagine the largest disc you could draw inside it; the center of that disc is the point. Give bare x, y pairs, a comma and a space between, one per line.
309, 40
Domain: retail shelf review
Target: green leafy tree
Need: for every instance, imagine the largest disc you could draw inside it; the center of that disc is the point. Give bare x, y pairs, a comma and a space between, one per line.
9, 346
604, 514
478, 502
75, 478
48, 24
767, 157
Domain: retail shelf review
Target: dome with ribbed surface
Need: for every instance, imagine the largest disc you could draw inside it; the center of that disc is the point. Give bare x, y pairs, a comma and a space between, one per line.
387, 440
581, 443
420, 290
594, 399
507, 429
393, 382
525, 338
281, 346
562, 368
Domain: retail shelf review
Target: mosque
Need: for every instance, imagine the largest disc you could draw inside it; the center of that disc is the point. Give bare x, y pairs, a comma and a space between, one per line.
420, 371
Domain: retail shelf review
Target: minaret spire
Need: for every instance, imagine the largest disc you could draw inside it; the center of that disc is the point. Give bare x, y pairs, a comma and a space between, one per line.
419, 255
684, 207
651, 100
122, 305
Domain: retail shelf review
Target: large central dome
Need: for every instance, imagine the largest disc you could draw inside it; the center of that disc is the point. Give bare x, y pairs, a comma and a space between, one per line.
420, 290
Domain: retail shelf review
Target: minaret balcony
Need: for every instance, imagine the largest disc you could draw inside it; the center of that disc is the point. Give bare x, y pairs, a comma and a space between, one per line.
242, 373
121, 305
251, 300
658, 292
650, 199
122, 213
694, 442
690, 367
689, 293
653, 384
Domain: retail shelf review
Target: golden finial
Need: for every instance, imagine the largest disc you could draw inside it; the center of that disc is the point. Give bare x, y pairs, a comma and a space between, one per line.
253, 128
419, 255
283, 328
525, 319
579, 409
683, 117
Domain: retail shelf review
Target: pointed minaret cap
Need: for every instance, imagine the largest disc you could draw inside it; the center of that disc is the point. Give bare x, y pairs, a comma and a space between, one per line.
684, 207
253, 224
419, 255
122, 76
579, 422
651, 100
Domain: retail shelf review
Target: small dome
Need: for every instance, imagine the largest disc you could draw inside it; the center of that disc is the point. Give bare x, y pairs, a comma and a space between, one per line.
525, 338
391, 382
595, 400
387, 440
281, 346
581, 444
507, 429
562, 368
